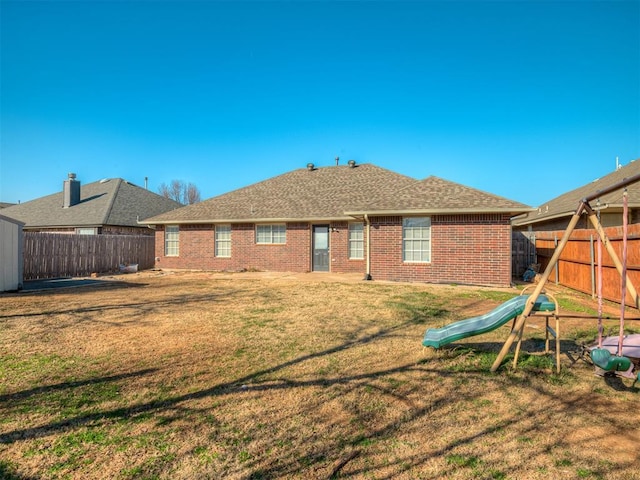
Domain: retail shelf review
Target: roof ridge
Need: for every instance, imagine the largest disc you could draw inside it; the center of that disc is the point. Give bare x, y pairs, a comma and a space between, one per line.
112, 200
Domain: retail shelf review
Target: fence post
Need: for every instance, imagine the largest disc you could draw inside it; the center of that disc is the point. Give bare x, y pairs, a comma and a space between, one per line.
593, 267
555, 245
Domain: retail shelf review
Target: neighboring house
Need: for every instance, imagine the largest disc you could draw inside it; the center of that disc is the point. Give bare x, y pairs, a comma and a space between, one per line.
111, 206
556, 213
5, 205
11, 244
351, 218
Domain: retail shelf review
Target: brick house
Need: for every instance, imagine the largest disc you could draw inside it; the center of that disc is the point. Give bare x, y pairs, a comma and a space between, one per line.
346, 219
110, 206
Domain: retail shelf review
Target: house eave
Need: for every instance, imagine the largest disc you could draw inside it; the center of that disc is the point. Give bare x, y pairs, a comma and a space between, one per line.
49, 227
437, 211
249, 220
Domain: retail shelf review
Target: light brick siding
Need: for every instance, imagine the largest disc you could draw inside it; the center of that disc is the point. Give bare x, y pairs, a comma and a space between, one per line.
607, 219
466, 249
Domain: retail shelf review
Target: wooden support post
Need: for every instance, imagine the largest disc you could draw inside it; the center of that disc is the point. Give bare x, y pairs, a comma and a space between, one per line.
519, 325
612, 253
557, 342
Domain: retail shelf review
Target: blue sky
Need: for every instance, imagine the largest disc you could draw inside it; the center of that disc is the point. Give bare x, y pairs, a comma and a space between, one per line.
523, 99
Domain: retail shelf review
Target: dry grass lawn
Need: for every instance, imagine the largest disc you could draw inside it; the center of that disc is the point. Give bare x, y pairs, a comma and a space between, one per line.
248, 376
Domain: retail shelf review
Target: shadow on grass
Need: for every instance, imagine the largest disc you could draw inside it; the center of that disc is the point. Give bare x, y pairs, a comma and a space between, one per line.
9, 473
169, 403
17, 396
338, 452
139, 307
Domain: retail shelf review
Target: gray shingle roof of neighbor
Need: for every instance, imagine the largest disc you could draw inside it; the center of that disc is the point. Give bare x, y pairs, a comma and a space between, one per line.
334, 193
566, 204
113, 202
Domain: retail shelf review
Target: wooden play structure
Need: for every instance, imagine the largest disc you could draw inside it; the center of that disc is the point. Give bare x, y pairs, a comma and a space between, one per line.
601, 357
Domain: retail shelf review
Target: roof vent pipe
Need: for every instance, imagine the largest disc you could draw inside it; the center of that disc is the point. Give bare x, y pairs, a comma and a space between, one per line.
351, 163
310, 166
337, 161
70, 191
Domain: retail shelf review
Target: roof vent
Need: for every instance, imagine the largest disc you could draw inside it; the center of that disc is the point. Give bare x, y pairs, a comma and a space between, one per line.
310, 166
351, 163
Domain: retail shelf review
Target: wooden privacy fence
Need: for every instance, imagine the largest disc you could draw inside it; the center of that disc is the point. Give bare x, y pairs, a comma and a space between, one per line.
51, 255
577, 266
523, 252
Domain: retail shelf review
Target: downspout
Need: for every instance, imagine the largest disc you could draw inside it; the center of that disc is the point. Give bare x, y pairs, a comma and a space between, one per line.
367, 275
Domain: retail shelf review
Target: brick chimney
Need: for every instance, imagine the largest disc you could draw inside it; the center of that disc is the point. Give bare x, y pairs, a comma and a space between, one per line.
71, 191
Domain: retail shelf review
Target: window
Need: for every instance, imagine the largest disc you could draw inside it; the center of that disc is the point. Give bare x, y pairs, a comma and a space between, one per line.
223, 241
86, 231
171, 240
269, 234
356, 240
416, 239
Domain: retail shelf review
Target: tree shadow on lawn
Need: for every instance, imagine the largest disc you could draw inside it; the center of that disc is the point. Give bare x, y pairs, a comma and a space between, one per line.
168, 403
139, 307
334, 455
45, 389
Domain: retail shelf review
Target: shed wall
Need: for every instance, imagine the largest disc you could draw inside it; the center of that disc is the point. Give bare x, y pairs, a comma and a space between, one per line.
11, 276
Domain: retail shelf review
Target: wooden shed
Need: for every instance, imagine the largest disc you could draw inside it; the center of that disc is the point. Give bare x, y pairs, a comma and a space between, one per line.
11, 255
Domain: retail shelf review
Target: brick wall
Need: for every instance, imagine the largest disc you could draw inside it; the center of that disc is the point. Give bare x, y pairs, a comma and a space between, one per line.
465, 249
197, 250
339, 254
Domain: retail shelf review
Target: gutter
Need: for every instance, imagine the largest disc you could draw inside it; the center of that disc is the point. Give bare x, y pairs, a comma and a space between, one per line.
245, 220
367, 223
438, 211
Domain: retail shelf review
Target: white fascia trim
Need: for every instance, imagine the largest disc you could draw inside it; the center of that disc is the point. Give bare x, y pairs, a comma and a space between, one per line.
249, 220
437, 211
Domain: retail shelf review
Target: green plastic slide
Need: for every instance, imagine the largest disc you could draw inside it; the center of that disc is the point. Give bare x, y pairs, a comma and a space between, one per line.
438, 337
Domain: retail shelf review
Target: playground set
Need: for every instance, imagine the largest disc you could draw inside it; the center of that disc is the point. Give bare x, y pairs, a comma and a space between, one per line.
618, 356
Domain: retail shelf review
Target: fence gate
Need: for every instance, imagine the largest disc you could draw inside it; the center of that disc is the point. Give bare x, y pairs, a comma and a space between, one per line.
523, 252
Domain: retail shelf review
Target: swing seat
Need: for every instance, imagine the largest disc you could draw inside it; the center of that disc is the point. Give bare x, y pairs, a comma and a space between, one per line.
606, 362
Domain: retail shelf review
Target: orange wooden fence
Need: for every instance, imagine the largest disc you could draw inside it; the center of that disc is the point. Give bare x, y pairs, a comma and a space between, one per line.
577, 266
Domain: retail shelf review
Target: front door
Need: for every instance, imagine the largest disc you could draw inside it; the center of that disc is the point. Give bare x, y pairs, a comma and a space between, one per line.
320, 247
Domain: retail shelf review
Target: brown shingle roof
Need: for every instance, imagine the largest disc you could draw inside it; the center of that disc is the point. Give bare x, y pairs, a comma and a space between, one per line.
566, 204
436, 195
332, 193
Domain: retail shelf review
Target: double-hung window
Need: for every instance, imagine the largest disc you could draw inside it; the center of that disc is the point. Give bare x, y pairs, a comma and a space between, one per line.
356, 241
171, 240
223, 241
271, 234
416, 239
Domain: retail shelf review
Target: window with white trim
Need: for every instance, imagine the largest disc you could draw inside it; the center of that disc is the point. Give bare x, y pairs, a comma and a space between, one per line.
223, 241
416, 239
356, 241
171, 240
271, 234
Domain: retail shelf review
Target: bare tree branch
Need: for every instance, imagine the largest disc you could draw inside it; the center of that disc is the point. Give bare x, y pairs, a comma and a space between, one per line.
185, 193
